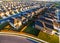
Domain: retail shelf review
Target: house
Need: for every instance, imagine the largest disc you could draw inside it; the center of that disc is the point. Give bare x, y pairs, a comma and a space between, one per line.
38, 25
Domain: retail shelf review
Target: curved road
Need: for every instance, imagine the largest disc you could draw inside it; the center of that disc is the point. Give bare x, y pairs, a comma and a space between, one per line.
16, 38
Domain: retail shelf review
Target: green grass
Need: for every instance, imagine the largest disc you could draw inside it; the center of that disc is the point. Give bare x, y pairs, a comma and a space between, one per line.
31, 30
3, 25
0, 18
57, 4
42, 35
48, 38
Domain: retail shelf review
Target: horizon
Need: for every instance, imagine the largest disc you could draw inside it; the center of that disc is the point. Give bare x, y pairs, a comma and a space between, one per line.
33, 0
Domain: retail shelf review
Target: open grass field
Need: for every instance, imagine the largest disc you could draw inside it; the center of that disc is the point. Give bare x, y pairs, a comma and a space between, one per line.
48, 38
31, 30
41, 35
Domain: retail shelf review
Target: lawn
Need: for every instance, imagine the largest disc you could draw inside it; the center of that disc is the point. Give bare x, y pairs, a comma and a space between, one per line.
0, 18
3, 25
57, 4
41, 35
48, 38
31, 30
